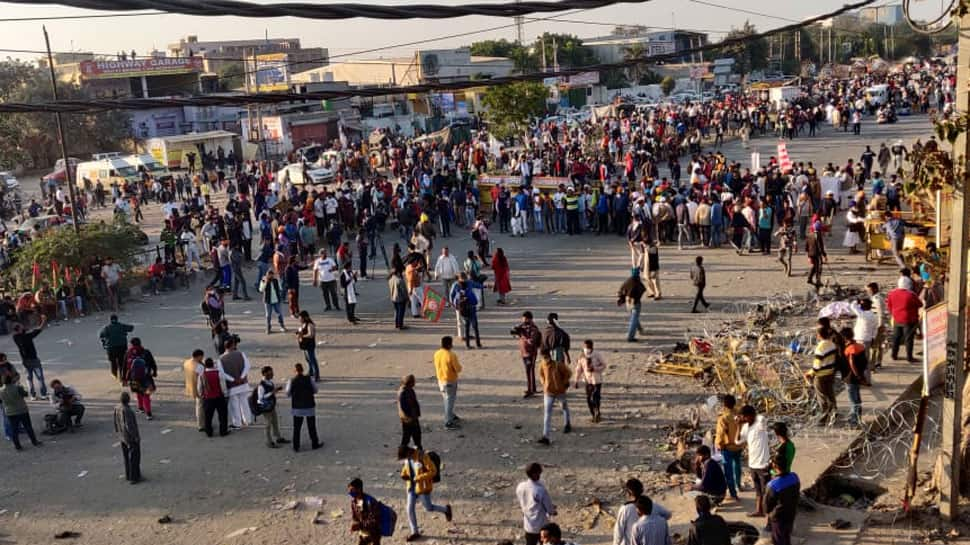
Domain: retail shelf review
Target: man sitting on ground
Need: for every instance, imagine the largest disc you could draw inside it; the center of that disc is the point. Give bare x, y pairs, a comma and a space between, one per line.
67, 402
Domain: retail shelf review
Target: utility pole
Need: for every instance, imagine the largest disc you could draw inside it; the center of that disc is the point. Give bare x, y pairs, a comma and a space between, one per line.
71, 189
259, 108
519, 23
956, 302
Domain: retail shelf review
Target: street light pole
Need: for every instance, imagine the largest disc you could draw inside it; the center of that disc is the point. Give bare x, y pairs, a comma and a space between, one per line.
956, 302
72, 191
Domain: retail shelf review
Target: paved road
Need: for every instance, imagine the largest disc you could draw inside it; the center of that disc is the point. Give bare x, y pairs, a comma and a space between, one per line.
199, 481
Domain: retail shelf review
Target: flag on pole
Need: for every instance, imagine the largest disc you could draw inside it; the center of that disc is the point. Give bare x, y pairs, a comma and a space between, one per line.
34, 276
784, 161
434, 303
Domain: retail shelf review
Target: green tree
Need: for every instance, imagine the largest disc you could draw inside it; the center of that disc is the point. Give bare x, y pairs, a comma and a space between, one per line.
614, 79
30, 138
633, 52
524, 60
565, 48
118, 240
667, 85
749, 55
510, 107
232, 77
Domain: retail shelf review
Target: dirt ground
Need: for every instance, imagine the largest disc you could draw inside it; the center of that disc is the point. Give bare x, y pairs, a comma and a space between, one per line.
216, 488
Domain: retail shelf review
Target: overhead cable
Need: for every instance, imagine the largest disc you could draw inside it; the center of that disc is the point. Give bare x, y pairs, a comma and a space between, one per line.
77, 106
306, 10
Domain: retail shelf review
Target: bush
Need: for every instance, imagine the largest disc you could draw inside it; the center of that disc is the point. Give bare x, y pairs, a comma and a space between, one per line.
667, 85
118, 240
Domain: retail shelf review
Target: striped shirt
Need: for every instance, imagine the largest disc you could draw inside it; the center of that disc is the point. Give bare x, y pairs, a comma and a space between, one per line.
823, 364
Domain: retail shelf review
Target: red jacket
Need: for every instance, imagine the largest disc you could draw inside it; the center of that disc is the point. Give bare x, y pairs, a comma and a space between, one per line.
904, 305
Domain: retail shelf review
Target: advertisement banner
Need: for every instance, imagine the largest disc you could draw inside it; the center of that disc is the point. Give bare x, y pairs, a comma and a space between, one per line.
433, 305
139, 67
934, 345
273, 72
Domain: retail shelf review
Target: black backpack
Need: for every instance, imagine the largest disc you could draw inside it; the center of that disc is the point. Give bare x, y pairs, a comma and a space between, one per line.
254, 402
436, 460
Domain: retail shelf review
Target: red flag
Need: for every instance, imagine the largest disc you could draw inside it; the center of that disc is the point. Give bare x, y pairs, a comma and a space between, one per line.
34, 276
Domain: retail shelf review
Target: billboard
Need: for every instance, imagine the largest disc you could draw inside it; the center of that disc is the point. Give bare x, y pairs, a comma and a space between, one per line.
140, 67
273, 73
444, 63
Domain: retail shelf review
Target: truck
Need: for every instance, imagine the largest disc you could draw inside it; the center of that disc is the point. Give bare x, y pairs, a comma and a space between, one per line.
108, 171
173, 151
785, 93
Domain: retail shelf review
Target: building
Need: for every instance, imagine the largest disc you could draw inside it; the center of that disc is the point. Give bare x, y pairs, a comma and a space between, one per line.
883, 15
427, 66
616, 48
219, 54
130, 77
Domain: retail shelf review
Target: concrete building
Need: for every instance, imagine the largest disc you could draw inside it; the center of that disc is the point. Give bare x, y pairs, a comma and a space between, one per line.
426, 66
141, 77
614, 48
218, 54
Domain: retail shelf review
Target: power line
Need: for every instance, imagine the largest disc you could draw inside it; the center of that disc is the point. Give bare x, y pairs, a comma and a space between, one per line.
70, 17
78, 106
766, 15
306, 10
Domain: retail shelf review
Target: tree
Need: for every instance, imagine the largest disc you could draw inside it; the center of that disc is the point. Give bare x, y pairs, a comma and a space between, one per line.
30, 138
567, 49
523, 59
232, 77
118, 241
748, 55
667, 85
632, 53
614, 79
510, 107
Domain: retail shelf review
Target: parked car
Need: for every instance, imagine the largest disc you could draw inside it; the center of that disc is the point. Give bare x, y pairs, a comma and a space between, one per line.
297, 174
9, 180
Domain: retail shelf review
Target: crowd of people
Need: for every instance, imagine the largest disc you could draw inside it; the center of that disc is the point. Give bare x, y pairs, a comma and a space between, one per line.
615, 186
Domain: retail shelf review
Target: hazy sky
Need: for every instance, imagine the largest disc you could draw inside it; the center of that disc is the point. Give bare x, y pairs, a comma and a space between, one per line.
350, 36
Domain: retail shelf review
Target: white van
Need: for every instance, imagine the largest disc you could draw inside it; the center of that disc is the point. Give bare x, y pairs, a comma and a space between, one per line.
109, 171
154, 168
878, 94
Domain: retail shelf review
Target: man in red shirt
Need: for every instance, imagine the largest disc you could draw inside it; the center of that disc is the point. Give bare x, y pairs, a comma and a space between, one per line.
904, 306
156, 273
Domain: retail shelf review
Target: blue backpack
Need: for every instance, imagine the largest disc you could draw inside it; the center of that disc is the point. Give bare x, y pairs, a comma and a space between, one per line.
387, 516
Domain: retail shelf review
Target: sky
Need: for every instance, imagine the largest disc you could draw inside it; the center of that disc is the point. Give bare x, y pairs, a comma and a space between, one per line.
348, 37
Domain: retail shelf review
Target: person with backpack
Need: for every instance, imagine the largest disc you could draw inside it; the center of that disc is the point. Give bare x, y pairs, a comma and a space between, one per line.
556, 340
369, 517
264, 403
529, 340
140, 373
301, 389
554, 376
465, 301
215, 397
420, 472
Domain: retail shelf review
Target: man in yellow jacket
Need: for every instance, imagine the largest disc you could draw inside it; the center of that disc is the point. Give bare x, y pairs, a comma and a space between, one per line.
419, 472
554, 376
447, 368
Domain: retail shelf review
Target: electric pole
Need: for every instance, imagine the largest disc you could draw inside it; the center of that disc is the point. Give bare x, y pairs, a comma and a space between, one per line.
956, 302
519, 23
71, 190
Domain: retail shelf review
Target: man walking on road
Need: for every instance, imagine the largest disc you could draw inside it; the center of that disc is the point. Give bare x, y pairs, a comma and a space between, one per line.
554, 376
447, 368
904, 307
446, 270
236, 258
698, 277
323, 274
193, 368
28, 356
114, 339
630, 294
529, 340
535, 503
126, 428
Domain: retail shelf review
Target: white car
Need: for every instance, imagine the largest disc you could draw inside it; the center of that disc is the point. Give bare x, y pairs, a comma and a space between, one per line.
9, 180
295, 174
